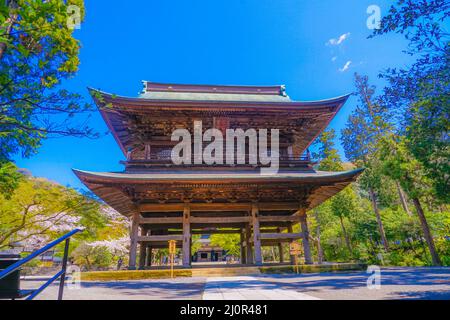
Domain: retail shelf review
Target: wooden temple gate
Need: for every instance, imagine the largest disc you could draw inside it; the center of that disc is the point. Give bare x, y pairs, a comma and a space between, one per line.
255, 229
172, 202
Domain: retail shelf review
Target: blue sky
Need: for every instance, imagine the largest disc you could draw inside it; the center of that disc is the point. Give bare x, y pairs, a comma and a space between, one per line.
216, 42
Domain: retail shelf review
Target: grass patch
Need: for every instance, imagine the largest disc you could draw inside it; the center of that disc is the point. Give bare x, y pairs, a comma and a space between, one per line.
314, 268
132, 275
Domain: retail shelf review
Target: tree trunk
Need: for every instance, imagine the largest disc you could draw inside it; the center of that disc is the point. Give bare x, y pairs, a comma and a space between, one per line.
319, 245
426, 232
380, 223
274, 257
347, 240
402, 197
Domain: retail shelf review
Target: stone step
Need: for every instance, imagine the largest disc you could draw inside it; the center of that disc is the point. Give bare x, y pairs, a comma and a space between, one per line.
223, 272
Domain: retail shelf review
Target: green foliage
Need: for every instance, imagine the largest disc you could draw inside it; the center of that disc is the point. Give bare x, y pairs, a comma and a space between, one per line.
38, 52
327, 154
400, 165
196, 244
429, 142
314, 268
344, 203
90, 257
419, 94
10, 178
229, 242
39, 208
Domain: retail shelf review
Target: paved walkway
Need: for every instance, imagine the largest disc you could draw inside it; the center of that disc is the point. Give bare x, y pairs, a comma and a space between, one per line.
396, 283
248, 288
152, 289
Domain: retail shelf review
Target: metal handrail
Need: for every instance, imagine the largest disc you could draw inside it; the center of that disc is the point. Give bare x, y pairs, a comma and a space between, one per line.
61, 274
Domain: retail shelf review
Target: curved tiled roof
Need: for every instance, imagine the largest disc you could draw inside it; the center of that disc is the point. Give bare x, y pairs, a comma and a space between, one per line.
108, 185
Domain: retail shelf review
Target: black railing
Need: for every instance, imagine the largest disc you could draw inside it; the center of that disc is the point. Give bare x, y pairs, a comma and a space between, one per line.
61, 274
166, 160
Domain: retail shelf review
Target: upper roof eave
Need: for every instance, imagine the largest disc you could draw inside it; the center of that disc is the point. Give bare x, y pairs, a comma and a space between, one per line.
137, 101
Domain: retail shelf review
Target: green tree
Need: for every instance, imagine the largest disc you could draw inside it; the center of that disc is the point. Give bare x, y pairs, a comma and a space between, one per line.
342, 204
229, 242
42, 208
38, 52
399, 164
365, 127
9, 178
92, 257
327, 153
429, 142
418, 94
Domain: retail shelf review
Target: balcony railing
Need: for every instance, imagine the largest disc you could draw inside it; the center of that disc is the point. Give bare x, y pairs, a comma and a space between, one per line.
159, 160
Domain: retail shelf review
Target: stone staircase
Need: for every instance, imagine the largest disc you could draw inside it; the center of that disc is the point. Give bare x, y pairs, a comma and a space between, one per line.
225, 271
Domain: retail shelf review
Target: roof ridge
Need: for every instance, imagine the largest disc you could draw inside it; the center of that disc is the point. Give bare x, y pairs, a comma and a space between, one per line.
214, 88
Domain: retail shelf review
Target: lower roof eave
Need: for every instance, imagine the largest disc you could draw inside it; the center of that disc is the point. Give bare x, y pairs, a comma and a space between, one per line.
187, 177
107, 185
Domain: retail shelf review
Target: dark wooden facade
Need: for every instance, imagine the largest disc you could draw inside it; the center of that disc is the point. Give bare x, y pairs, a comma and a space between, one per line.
172, 202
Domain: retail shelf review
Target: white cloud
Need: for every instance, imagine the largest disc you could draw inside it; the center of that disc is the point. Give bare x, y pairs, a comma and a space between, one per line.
334, 58
346, 66
338, 41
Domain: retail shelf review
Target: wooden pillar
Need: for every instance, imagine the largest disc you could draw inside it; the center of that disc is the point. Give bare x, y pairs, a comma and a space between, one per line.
293, 257
281, 252
147, 151
248, 245
148, 261
256, 235
133, 240
280, 248
305, 238
142, 249
290, 152
243, 247
148, 248
186, 236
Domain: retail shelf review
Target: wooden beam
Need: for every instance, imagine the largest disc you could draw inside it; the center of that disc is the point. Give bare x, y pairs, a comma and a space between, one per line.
277, 206
281, 235
274, 242
235, 231
179, 207
160, 238
279, 218
161, 220
220, 219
